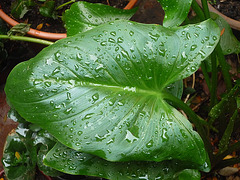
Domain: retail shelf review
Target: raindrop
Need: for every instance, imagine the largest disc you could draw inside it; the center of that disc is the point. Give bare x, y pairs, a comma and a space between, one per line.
130, 137
68, 95
120, 40
57, 55
95, 97
188, 36
79, 133
202, 53
111, 40
56, 70
104, 43
113, 33
131, 33
193, 47
48, 84
36, 82
154, 36
88, 116
214, 38
164, 135
149, 144
76, 66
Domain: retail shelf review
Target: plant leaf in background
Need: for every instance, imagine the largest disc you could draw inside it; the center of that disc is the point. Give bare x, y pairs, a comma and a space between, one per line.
20, 7
18, 158
228, 41
73, 162
176, 11
100, 92
26, 149
48, 9
83, 16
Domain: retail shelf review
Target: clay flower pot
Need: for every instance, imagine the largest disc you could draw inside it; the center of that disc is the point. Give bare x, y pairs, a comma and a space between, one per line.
232, 22
47, 35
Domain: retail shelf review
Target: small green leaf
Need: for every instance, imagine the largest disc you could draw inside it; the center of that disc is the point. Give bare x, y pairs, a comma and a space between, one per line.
101, 91
176, 11
17, 160
19, 30
48, 9
73, 162
20, 7
228, 41
83, 16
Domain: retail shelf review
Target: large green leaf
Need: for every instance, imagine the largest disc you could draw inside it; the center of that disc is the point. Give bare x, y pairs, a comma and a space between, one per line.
176, 11
100, 92
83, 16
73, 162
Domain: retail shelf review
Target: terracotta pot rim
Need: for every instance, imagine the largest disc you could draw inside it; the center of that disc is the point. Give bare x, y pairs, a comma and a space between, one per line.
232, 22
47, 35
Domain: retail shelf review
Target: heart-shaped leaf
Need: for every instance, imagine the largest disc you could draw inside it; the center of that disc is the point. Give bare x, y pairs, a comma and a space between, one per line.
100, 92
73, 162
83, 16
176, 11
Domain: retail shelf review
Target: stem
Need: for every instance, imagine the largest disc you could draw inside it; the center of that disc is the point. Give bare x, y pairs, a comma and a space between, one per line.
193, 117
205, 74
198, 10
224, 142
227, 162
69, 2
205, 9
28, 39
213, 93
224, 66
228, 151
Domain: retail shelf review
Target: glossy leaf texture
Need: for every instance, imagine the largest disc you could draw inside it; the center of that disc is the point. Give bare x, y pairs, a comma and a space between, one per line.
99, 92
83, 16
176, 11
229, 43
73, 162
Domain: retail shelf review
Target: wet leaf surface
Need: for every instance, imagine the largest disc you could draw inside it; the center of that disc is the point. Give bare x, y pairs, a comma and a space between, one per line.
100, 92
73, 162
83, 16
176, 11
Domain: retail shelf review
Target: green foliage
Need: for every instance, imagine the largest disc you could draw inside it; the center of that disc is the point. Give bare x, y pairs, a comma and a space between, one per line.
91, 91
48, 9
228, 41
74, 162
25, 149
20, 7
176, 11
83, 16
106, 93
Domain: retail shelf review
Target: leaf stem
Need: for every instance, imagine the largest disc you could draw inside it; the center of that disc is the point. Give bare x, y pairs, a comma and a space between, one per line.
28, 39
205, 9
224, 66
227, 162
219, 157
223, 143
213, 90
69, 2
198, 10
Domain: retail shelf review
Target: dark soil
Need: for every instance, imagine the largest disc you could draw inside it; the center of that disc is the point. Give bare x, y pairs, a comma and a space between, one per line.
34, 18
230, 8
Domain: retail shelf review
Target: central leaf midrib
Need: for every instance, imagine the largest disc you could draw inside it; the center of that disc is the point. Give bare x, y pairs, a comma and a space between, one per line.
75, 83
